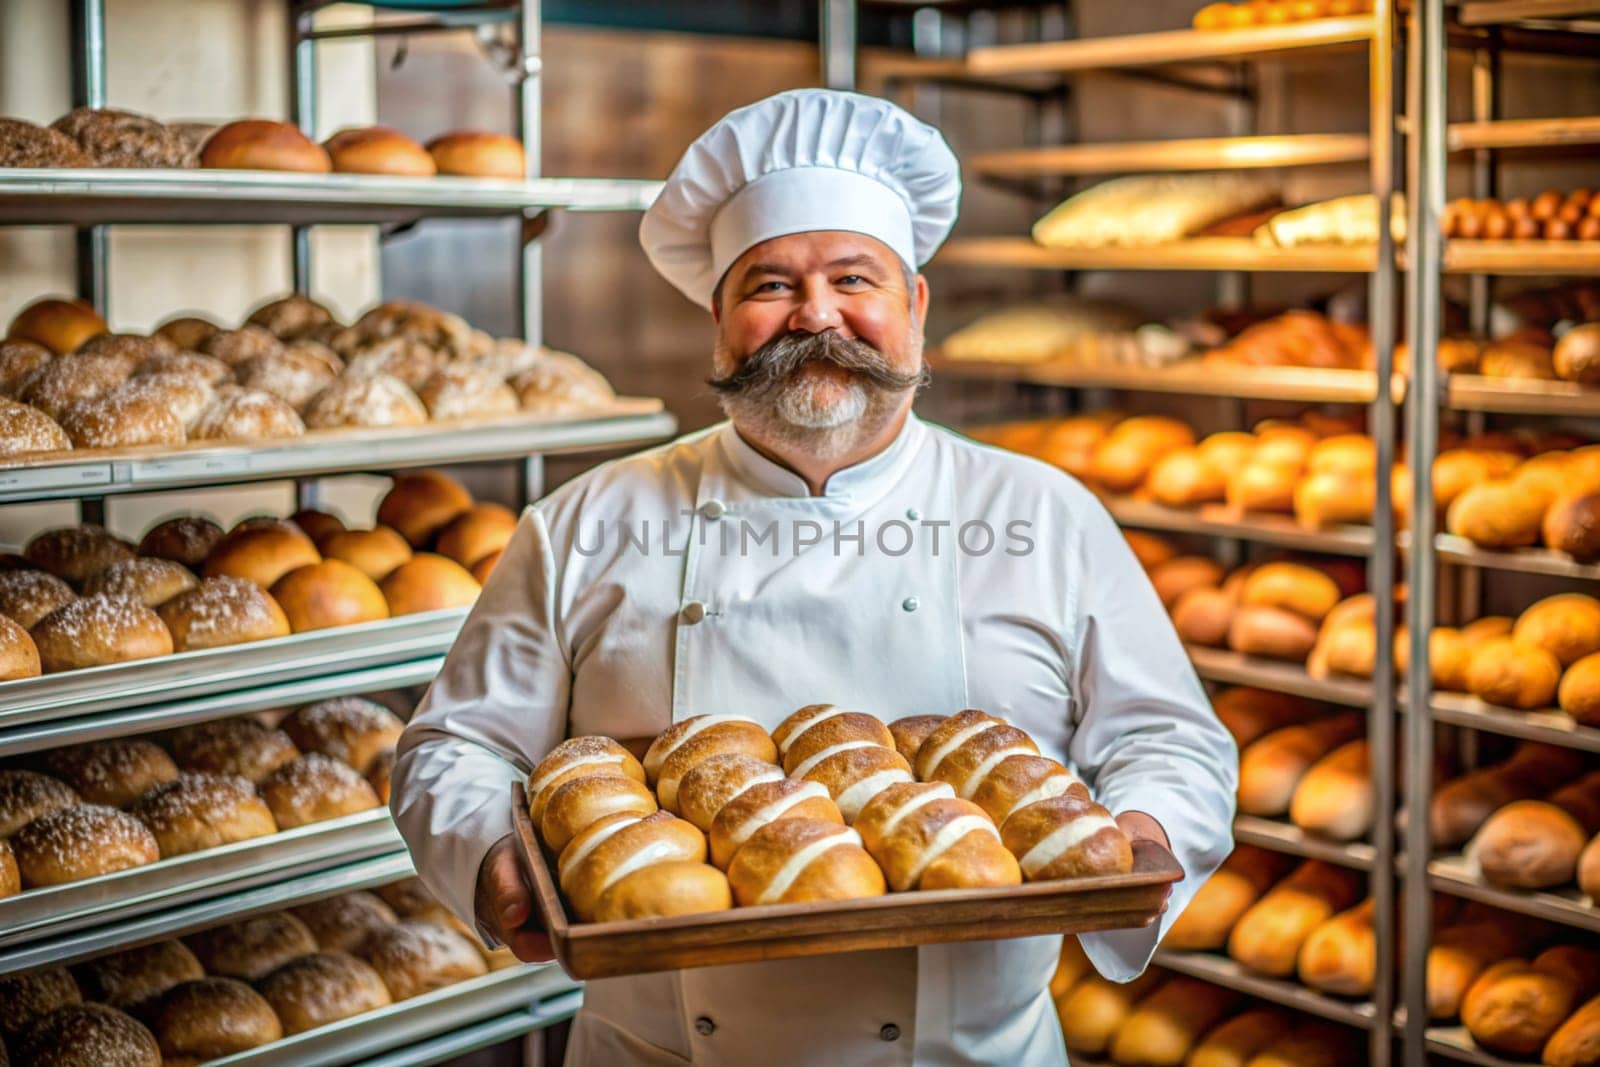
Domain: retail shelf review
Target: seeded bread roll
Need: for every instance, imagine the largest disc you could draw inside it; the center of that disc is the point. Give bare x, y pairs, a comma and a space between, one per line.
616, 846
763, 803
342, 923
925, 837
26, 596
135, 978
150, 581
115, 772
575, 805
688, 741
428, 582
314, 788
250, 949
238, 746
89, 1035
28, 997
794, 861
575, 758
911, 731
414, 957
82, 842
328, 593
263, 554
26, 796
26, 430
200, 811
187, 539
74, 553
322, 988
352, 730
376, 553
714, 781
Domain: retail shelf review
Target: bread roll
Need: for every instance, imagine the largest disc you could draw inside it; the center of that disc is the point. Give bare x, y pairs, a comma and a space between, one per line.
1292, 587
293, 374
911, 731
688, 741
241, 414
1204, 617
263, 554
330, 593
427, 582
1341, 955
1528, 844
223, 611
1121, 462
63, 384
378, 773
1510, 358
1022, 779
1244, 876
342, 923
854, 772
26, 596
1268, 937
152, 582
96, 630
576, 804
1579, 692
19, 361
473, 534
129, 415
763, 803
1497, 514
238, 746
1178, 576
27, 997
1566, 625
19, 657
291, 317
134, 978
421, 503
410, 899
1165, 1026
1313, 1044
1185, 478
313, 788
1072, 967
322, 988
352, 730
1234, 1042
187, 539
74, 553
1248, 713
88, 1035
1514, 1006
200, 811
1335, 796
1512, 675
378, 150
715, 780
1459, 954
795, 861
60, 325
26, 430
575, 758
260, 144
1272, 632
674, 887
1263, 485
836, 724
616, 846
376, 553
1576, 1042
1094, 1010
82, 842
1327, 498
26, 796
1577, 354
1572, 525
1066, 837
209, 1018
415, 957
114, 772
366, 399
252, 948
467, 391
188, 332
1271, 768
485, 566
478, 154
924, 837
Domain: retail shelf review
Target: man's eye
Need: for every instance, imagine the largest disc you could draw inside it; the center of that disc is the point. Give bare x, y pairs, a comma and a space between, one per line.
770, 287
852, 279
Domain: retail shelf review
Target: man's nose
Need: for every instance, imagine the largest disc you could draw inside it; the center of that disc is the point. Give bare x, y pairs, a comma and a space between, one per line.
819, 309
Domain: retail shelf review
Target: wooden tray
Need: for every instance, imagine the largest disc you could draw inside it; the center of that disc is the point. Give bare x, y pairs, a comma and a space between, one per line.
897, 920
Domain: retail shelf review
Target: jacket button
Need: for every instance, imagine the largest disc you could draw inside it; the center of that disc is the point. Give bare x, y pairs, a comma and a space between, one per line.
713, 509
693, 612
910, 603
705, 1027
889, 1032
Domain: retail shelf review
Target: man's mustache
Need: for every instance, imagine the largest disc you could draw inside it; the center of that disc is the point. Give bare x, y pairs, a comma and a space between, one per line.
775, 362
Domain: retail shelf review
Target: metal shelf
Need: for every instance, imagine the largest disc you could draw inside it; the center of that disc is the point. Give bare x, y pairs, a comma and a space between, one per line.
1522, 257
1553, 726
1455, 876
1523, 133
1234, 668
1195, 253
1457, 1044
175, 921
221, 670
1222, 971
1286, 837
1217, 520
1200, 153
1497, 12
1523, 560
481, 1035
1189, 377
87, 197
1515, 396
637, 420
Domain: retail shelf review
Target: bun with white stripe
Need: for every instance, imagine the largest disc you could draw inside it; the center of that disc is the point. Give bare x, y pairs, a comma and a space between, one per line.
574, 758
1067, 837
925, 837
793, 861
966, 746
577, 804
675, 887
714, 781
854, 776
767, 802
686, 743
610, 850
911, 731
826, 728
1020, 780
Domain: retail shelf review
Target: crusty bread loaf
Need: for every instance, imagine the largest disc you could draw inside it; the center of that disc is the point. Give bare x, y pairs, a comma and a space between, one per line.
1528, 844
1513, 675
1093, 1011
966, 747
322, 988
1335, 796
1268, 937
1020, 779
1121, 462
59, 324
1572, 525
26, 430
1148, 548
252, 948
826, 725
1244, 876
1271, 767
1515, 1005
19, 657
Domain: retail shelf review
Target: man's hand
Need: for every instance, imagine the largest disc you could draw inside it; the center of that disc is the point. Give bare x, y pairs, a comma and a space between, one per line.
504, 904
1141, 827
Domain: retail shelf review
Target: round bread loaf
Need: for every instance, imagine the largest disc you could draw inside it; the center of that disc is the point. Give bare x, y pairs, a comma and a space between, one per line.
672, 887
365, 400
314, 788
88, 1035
1511, 675
911, 731
378, 150
478, 154
557, 387
63, 384
322, 988
328, 593
26, 430
133, 348
1528, 844
19, 657
28, 997
1566, 625
476, 532
763, 803
577, 757
208, 1018
20, 360
262, 553
415, 956
261, 144
237, 347
1067, 837
715, 780
854, 775
421, 503
410, 899
237, 746
578, 803
464, 391
134, 978
200, 811
59, 324
96, 630
27, 795
408, 359
378, 773
73, 553
294, 375
794, 861
149, 580
26, 596
188, 332
925, 837
291, 317
344, 922
318, 525
428, 582
819, 730
187, 539
688, 741
113, 138
76, 843
352, 730
134, 413
485, 566
247, 415
616, 846
250, 949
115, 772
223, 611
1021, 779
376, 552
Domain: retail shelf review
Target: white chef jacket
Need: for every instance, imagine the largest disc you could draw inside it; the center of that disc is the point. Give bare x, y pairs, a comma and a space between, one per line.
701, 577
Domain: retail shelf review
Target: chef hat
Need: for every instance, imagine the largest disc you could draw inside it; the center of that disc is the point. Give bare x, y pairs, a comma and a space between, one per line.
803, 160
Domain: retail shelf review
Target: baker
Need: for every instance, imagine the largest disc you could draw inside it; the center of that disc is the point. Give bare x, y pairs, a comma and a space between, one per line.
823, 544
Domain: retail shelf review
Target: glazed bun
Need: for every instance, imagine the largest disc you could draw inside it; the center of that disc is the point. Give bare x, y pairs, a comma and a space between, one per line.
330, 593
342, 923
476, 532
187, 539
925, 837
1067, 837
421, 503
75, 553
82, 842
577, 757
19, 657
576, 804
672, 887
427, 582
200, 811
114, 772
209, 1018
378, 150
263, 554
616, 846
89, 1035
415, 957
238, 746
313, 788
715, 780
763, 803
353, 730
26, 596
685, 743
59, 324
794, 861
260, 144
26, 796
1022, 779
911, 731
152, 582
322, 988
252, 948
133, 978
375, 553
478, 154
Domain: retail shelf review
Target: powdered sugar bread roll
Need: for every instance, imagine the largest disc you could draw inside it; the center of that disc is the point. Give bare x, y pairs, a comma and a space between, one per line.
767, 802
832, 732
686, 743
925, 837
793, 861
99, 629
714, 781
574, 758
613, 848
1020, 780
575, 805
225, 610
1067, 837
911, 731
82, 842
854, 776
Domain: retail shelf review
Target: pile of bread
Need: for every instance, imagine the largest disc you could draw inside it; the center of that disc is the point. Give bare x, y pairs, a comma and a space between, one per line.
1162, 1019
1236, 16
832, 805
1528, 355
1550, 216
230, 988
80, 596
66, 382
109, 137
106, 806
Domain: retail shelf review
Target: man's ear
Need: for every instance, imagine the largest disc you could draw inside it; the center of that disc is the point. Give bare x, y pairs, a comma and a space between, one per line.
919, 298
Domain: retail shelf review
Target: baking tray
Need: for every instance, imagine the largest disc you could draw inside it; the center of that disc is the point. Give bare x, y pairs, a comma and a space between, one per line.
896, 920
52, 910
218, 670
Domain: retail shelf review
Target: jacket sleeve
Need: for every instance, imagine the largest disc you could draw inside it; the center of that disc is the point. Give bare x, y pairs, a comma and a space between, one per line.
498, 704
1146, 738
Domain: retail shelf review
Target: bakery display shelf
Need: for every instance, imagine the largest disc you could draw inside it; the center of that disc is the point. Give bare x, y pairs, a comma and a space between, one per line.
221, 670
1498, 12
1199, 153
1455, 875
1220, 970
87, 197
1524, 133
629, 421
174, 883
1454, 1042
121, 722
284, 889
1552, 726
540, 991
1517, 396
1236, 668
1282, 836
1522, 257
501, 1028
1218, 520
1455, 549
1188, 377
1195, 253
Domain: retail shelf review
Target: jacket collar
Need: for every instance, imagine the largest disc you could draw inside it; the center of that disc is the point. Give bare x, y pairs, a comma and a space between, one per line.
869, 479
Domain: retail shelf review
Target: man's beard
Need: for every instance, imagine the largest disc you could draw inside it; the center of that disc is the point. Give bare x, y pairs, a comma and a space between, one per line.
770, 392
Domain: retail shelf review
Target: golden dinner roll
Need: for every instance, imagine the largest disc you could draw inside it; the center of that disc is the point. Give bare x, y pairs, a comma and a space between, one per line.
859, 725
329, 593
1204, 616
1066, 837
223, 611
1575, 1041
577, 804
1497, 514
238, 746
208, 1018
1277, 633
27, 997
89, 1035
925, 837
686, 742
322, 988
1528, 844
19, 657
263, 554
1566, 625
715, 780
963, 751
607, 851
763, 803
200, 811
378, 150
114, 772
478, 154
476, 532
150, 581
1512, 675
950, 734
1271, 768
28, 795
342, 923
909, 733
415, 957
252, 948
376, 552
1167, 1024
1579, 692
575, 758
1148, 548
82, 842
795, 861
421, 503
674, 887
1261, 485
485, 566
59, 324
1021, 779
378, 774
313, 788
1178, 576
95, 630
134, 978
187, 539
1293, 587
318, 525
854, 776
1184, 478
1335, 797
427, 582
261, 144
1092, 1011
352, 730
75, 553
